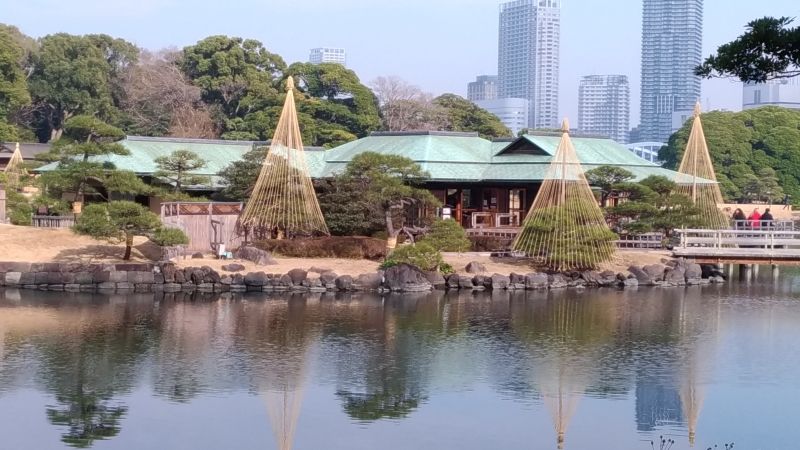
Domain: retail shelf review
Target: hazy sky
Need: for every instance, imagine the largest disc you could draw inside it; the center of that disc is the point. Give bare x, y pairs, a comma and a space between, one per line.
439, 45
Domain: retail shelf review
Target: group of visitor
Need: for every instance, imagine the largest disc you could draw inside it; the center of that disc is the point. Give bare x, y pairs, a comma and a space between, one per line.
754, 221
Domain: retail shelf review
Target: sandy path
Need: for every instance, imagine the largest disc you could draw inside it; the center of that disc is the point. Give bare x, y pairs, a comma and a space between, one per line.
62, 245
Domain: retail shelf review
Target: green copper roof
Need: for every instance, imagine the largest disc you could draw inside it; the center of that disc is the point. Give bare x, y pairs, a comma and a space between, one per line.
445, 156
144, 150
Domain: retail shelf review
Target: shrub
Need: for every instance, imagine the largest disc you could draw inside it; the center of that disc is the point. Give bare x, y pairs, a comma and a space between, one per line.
447, 236
18, 208
351, 247
421, 255
169, 237
56, 207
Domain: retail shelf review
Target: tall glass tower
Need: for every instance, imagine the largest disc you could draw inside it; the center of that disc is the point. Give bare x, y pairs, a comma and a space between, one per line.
672, 39
528, 57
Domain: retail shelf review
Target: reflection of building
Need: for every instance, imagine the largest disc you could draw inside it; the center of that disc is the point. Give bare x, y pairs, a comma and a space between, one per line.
604, 106
483, 88
784, 92
656, 405
328, 55
513, 112
528, 57
672, 37
646, 150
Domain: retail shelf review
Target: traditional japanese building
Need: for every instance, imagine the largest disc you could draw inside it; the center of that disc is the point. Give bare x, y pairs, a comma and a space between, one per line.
481, 183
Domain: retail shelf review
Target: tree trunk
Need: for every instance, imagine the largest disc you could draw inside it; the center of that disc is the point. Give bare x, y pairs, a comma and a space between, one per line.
390, 223
128, 246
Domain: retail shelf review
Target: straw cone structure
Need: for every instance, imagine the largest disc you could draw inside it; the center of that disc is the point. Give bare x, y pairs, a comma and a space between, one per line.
565, 228
283, 201
698, 168
14, 170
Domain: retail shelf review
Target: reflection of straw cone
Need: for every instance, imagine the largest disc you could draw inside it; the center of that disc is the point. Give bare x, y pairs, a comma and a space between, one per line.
283, 408
692, 402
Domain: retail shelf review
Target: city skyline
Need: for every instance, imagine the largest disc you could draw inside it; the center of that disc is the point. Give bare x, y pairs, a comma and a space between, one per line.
454, 40
672, 42
528, 57
604, 106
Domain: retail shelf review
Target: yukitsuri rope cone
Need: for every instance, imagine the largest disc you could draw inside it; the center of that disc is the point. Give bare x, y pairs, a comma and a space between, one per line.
14, 170
697, 168
565, 228
283, 202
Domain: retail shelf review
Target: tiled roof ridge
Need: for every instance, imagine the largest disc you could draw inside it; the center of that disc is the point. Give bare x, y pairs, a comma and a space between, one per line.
181, 140
426, 133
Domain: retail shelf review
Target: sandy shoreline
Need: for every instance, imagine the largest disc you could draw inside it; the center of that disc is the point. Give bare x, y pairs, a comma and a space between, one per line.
62, 245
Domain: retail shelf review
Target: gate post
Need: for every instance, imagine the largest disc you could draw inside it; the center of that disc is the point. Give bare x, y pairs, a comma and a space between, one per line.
2, 204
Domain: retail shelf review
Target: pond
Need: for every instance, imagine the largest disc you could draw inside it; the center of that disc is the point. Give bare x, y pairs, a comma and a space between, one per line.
592, 369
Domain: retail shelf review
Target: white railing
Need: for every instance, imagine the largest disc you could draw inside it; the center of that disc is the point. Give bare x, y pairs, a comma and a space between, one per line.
762, 238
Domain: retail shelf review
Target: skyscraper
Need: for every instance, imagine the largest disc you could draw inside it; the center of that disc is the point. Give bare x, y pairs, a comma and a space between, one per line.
513, 112
483, 88
672, 38
604, 106
328, 55
528, 57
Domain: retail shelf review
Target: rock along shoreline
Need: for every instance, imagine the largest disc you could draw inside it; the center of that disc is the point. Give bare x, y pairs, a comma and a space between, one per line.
168, 277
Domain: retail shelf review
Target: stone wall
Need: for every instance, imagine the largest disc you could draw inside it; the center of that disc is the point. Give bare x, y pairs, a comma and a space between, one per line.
167, 277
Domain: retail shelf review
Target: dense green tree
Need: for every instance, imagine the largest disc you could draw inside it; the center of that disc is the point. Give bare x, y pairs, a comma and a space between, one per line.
743, 143
769, 49
117, 221
336, 99
392, 183
13, 86
178, 166
606, 178
237, 76
77, 75
461, 114
346, 211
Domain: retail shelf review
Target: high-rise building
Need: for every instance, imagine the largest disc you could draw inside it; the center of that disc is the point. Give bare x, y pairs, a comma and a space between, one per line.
782, 92
328, 55
528, 57
604, 106
513, 112
672, 38
483, 88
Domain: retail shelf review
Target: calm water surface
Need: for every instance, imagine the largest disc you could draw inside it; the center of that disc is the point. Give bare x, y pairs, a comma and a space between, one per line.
598, 369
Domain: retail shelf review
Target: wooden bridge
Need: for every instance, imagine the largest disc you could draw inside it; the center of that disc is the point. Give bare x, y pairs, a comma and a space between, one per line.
765, 245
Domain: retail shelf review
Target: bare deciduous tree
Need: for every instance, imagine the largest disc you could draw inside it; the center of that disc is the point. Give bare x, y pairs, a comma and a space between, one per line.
159, 100
194, 122
406, 107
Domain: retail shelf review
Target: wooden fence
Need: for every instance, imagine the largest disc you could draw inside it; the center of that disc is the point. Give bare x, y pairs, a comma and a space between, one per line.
53, 221
208, 224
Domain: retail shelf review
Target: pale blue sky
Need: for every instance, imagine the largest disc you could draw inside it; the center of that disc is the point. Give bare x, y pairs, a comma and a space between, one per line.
439, 45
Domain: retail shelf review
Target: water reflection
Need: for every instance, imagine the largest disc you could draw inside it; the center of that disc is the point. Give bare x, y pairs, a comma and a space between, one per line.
379, 358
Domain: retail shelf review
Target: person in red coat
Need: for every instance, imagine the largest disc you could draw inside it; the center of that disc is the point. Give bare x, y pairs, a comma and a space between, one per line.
755, 219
